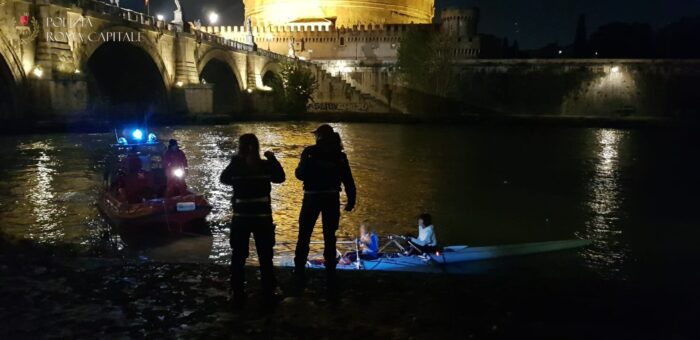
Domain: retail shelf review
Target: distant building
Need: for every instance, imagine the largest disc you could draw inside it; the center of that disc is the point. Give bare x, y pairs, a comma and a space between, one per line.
367, 31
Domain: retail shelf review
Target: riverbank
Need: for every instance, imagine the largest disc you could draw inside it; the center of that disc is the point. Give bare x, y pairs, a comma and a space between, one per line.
54, 293
87, 125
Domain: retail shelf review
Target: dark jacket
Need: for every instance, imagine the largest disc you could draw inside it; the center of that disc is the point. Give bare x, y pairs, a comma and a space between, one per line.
174, 159
324, 169
251, 184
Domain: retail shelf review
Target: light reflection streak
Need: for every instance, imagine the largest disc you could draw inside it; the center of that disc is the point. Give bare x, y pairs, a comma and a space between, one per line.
41, 196
394, 179
209, 152
207, 160
608, 253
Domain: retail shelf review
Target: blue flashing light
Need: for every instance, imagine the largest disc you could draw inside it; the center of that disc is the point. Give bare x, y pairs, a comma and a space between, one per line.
137, 134
152, 138
122, 141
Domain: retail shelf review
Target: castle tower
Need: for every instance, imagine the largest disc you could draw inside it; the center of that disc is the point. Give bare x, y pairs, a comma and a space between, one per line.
462, 24
339, 12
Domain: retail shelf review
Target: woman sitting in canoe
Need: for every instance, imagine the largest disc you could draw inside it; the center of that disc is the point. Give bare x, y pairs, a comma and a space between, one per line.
426, 241
368, 246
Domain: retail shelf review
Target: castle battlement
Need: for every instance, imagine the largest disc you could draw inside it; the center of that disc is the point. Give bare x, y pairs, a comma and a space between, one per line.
315, 39
339, 12
378, 28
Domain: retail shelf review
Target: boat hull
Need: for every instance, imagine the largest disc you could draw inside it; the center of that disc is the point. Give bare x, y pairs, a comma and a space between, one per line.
154, 213
452, 256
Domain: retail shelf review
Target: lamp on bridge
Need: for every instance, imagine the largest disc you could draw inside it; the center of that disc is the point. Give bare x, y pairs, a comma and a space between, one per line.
38, 72
213, 18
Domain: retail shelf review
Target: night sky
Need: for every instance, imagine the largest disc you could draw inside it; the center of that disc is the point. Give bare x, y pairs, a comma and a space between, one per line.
533, 23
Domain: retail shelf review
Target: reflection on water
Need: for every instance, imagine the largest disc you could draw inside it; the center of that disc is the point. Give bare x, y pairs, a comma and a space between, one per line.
484, 186
207, 159
608, 252
47, 211
209, 152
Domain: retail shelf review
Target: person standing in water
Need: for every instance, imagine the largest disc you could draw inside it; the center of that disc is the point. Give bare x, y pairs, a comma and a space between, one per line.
323, 167
251, 178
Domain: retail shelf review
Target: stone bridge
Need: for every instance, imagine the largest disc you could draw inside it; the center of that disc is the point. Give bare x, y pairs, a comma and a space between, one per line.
83, 58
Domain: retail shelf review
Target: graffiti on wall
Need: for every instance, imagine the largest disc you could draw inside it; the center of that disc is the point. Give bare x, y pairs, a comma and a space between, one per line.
338, 107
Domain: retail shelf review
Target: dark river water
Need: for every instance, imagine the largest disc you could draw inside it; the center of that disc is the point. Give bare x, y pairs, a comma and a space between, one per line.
633, 192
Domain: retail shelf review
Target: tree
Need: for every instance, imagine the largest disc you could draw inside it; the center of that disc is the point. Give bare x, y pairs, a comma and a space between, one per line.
293, 88
425, 61
515, 50
622, 40
678, 39
581, 39
412, 55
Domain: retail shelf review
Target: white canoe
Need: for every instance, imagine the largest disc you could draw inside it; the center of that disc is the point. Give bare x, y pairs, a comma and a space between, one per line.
451, 256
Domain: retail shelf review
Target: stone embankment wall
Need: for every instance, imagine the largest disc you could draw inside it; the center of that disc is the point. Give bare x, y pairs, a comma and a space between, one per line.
646, 88
605, 88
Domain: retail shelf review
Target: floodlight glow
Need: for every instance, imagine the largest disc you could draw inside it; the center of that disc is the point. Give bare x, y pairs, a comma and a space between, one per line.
38, 72
615, 69
213, 17
179, 173
137, 134
160, 17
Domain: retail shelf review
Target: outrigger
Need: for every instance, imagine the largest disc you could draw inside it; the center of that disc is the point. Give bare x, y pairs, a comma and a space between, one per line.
179, 213
441, 260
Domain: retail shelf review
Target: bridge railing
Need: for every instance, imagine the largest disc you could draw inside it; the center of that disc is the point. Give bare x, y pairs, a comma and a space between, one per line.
271, 55
124, 13
149, 20
216, 39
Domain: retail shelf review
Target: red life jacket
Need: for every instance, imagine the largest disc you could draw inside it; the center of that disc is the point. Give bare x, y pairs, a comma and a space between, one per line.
137, 186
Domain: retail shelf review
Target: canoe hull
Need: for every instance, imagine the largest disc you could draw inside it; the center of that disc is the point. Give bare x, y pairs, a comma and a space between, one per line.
467, 254
453, 256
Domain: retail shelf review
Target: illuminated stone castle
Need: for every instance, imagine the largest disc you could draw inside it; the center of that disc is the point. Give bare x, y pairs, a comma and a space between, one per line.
339, 12
367, 31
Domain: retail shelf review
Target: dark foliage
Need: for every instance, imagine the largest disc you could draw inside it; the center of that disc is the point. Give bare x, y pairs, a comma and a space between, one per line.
293, 88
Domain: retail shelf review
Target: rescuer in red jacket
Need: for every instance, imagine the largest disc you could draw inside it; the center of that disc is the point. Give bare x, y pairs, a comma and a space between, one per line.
135, 185
175, 166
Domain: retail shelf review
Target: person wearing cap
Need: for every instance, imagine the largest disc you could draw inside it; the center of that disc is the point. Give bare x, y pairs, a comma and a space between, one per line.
323, 167
175, 165
251, 178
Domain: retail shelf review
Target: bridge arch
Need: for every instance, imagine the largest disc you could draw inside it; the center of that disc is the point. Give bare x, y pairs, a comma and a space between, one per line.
12, 77
223, 56
126, 80
147, 45
269, 73
218, 69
